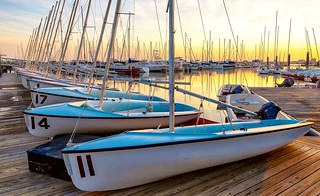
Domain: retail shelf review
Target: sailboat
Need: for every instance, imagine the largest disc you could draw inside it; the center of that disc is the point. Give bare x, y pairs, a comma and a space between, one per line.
116, 115
106, 115
138, 157
54, 95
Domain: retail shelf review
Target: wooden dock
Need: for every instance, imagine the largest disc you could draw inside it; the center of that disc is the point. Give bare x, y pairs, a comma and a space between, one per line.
291, 170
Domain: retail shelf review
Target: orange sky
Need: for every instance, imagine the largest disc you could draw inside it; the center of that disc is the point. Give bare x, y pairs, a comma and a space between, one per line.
249, 19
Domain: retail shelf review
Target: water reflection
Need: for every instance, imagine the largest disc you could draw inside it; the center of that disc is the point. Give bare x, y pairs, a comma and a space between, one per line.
205, 83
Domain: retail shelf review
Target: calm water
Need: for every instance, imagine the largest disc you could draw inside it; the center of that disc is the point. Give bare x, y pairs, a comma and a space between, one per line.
206, 83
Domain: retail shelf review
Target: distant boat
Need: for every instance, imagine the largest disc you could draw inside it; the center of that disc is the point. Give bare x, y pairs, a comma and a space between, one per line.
228, 64
276, 70
228, 89
216, 65
263, 70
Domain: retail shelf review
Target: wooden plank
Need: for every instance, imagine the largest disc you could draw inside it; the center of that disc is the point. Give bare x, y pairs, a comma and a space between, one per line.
303, 184
313, 142
272, 176
312, 190
292, 180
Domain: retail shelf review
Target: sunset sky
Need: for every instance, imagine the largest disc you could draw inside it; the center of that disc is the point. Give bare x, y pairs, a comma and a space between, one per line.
248, 18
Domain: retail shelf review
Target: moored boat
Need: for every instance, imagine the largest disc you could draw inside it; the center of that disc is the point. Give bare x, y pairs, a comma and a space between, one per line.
227, 89
116, 115
54, 95
139, 157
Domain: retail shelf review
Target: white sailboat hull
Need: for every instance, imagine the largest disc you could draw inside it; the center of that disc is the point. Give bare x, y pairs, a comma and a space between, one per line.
48, 96
36, 83
41, 99
117, 169
49, 126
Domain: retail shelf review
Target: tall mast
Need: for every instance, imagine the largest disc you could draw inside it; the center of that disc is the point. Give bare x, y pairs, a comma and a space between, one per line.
289, 44
35, 45
42, 37
171, 64
99, 43
66, 39
51, 27
315, 41
275, 56
41, 48
81, 41
110, 48
56, 32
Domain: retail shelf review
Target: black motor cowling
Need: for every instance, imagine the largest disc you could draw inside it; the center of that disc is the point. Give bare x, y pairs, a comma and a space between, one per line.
268, 111
237, 90
288, 82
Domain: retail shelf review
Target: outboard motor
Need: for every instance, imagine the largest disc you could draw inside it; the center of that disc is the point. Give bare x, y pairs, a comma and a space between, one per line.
237, 90
288, 82
268, 111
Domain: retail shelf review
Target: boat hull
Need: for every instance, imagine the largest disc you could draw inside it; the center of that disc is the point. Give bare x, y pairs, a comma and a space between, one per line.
115, 116
117, 169
48, 126
48, 96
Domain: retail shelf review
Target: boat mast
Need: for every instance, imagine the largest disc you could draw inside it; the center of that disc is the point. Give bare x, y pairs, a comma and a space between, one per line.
171, 64
275, 55
315, 41
34, 47
110, 47
67, 37
81, 41
52, 21
45, 34
289, 56
99, 44
58, 21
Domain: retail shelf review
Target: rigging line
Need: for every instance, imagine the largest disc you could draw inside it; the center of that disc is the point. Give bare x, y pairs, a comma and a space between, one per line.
74, 131
204, 32
183, 42
315, 41
155, 4
134, 12
234, 39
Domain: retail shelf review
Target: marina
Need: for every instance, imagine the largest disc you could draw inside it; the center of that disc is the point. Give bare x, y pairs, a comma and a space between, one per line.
97, 104
292, 169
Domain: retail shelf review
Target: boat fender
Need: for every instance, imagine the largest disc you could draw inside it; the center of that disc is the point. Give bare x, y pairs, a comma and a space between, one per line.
288, 82
268, 110
150, 107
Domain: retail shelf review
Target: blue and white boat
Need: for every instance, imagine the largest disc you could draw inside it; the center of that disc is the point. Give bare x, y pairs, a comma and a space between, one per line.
54, 95
114, 116
138, 157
